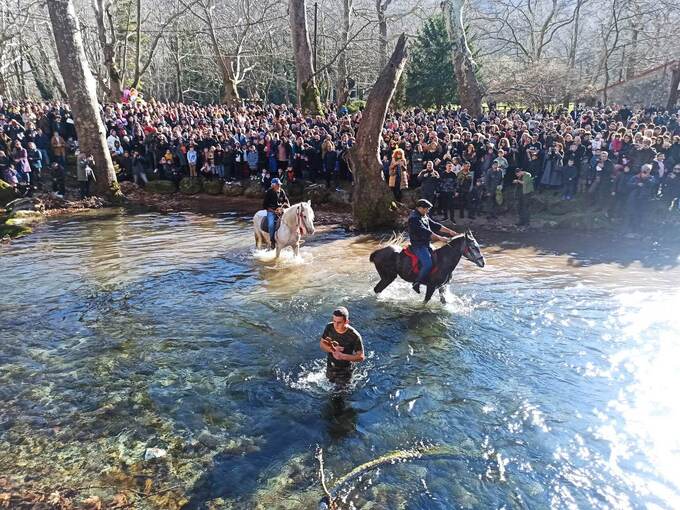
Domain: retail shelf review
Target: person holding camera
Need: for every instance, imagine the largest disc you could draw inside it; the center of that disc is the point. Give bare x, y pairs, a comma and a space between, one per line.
429, 182
85, 173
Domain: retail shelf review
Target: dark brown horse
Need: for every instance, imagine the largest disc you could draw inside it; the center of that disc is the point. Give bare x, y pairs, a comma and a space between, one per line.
390, 263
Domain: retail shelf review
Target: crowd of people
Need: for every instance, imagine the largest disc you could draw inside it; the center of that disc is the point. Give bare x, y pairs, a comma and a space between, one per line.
619, 158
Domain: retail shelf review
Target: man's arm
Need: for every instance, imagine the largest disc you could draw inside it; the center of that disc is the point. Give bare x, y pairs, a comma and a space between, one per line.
438, 228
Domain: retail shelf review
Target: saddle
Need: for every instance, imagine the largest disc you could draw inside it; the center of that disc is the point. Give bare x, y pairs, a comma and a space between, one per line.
415, 263
264, 226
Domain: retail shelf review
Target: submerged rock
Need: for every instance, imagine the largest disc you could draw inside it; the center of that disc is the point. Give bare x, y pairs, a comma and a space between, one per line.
154, 453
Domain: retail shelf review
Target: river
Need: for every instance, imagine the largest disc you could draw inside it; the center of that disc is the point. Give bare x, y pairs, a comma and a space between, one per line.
549, 379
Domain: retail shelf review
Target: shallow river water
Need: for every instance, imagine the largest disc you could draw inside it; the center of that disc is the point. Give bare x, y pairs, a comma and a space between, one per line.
550, 379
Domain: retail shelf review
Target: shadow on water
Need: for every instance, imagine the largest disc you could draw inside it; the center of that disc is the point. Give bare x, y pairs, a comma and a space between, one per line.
588, 249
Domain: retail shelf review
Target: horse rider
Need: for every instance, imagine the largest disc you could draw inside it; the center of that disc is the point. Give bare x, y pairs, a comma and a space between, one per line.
275, 201
421, 230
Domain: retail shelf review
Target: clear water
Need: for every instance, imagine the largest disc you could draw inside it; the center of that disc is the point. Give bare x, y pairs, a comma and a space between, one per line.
551, 384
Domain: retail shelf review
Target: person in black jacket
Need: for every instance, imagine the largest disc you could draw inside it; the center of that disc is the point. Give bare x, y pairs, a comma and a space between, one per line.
275, 200
422, 230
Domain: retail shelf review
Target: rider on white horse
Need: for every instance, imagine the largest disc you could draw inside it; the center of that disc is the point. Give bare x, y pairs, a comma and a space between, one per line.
275, 200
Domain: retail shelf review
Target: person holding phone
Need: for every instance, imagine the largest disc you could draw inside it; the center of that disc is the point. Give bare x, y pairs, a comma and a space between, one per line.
344, 347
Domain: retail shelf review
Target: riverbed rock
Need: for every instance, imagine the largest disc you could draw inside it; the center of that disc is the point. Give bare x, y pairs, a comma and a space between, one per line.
213, 187
317, 193
154, 453
233, 189
341, 197
25, 204
254, 190
160, 186
190, 186
7, 193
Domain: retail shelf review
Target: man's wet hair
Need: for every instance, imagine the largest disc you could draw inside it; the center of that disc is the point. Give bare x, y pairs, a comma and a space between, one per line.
341, 311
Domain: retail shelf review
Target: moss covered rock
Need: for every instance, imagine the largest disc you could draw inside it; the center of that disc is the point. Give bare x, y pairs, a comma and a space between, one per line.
190, 186
254, 190
295, 190
212, 187
233, 189
163, 187
7, 193
317, 193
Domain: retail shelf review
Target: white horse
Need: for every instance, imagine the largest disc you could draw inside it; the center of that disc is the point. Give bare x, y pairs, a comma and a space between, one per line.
296, 221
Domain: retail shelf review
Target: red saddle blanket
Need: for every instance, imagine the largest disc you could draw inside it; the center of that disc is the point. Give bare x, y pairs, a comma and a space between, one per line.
415, 265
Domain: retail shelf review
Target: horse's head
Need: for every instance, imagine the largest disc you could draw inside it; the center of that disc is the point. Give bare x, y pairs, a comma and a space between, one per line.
305, 217
471, 249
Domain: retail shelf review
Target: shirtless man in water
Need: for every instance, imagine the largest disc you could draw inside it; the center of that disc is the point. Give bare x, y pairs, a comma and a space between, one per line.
344, 347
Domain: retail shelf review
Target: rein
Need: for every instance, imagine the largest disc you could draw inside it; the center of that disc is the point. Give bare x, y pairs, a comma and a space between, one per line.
300, 217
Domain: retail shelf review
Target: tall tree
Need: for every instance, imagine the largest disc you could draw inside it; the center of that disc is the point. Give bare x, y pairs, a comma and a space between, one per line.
342, 86
380, 9
469, 90
675, 84
373, 205
82, 95
108, 40
307, 91
430, 80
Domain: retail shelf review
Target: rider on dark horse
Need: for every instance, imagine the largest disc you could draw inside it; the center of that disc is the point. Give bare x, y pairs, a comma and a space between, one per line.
275, 200
421, 230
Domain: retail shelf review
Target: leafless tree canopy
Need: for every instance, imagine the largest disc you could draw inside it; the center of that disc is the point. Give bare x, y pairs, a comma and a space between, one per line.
529, 51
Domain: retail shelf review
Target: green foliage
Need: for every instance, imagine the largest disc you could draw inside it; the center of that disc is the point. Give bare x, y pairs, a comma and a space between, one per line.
356, 105
430, 80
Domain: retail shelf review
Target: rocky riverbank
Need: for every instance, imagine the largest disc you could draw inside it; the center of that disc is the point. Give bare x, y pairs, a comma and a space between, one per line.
332, 207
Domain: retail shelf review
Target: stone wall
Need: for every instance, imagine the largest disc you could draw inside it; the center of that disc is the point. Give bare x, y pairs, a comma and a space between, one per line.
649, 89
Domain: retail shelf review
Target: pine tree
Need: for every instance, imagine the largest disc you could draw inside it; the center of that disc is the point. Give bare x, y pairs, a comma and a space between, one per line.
430, 80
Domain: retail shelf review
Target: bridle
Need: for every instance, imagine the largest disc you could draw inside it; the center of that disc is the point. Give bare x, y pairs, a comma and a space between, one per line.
300, 220
466, 252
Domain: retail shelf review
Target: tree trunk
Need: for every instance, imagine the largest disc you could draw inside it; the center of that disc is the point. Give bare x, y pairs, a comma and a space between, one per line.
469, 90
675, 83
230, 95
42, 81
82, 95
632, 52
373, 205
108, 47
382, 32
574, 36
307, 91
342, 86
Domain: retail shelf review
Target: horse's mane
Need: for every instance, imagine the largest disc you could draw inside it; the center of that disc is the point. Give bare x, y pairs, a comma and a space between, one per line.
396, 239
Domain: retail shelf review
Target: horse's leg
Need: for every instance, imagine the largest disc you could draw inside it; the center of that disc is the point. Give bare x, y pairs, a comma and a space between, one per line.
296, 249
429, 292
442, 297
383, 283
